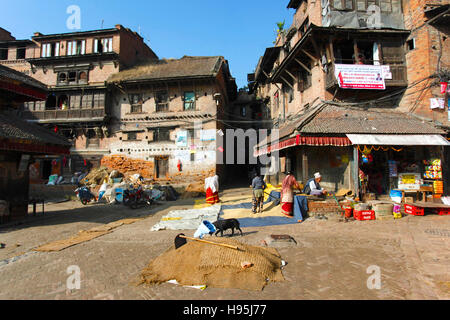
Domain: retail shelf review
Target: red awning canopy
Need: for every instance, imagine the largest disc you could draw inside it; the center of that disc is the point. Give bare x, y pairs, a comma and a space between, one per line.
303, 141
33, 147
23, 90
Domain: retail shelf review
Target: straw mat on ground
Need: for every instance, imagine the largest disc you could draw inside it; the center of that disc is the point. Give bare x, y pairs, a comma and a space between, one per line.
84, 235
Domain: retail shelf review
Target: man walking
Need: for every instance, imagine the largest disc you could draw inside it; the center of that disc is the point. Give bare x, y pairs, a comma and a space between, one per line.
258, 186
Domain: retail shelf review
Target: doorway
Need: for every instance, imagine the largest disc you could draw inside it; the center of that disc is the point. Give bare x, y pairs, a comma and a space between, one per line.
46, 169
162, 167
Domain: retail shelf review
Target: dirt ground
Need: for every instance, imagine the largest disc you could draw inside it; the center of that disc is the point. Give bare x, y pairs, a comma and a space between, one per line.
332, 260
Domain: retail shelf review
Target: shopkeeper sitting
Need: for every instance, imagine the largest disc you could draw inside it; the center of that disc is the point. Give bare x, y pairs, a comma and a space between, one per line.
313, 187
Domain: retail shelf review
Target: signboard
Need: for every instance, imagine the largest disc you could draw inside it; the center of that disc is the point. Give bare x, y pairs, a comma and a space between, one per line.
360, 76
23, 165
208, 135
386, 72
181, 140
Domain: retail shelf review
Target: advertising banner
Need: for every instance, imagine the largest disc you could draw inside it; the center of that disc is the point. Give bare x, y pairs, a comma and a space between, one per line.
181, 138
360, 76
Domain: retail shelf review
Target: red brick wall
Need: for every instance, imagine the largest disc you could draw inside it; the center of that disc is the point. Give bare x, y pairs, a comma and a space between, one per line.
133, 48
430, 43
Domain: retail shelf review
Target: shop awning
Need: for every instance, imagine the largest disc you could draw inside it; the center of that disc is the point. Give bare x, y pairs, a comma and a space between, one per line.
398, 139
303, 141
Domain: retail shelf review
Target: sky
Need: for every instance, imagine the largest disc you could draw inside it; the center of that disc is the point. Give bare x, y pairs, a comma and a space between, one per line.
239, 30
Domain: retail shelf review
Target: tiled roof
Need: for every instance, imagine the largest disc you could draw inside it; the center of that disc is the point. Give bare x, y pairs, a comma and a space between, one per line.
12, 74
13, 127
171, 68
344, 120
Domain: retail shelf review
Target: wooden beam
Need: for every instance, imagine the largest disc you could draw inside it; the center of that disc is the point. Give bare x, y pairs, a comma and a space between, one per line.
292, 76
314, 59
316, 47
304, 67
269, 77
287, 82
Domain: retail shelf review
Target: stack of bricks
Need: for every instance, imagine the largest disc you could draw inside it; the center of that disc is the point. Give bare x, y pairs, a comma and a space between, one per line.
323, 207
128, 166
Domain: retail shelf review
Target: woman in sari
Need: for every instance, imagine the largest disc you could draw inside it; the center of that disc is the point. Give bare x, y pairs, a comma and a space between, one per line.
287, 194
212, 189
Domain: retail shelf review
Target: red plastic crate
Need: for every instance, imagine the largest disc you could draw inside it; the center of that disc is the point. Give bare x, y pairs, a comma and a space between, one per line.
442, 211
364, 215
413, 210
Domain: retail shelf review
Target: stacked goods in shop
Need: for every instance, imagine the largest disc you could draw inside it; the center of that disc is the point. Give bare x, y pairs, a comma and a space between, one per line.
438, 188
433, 169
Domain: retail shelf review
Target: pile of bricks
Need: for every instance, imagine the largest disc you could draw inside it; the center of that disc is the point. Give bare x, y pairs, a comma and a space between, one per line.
128, 166
323, 207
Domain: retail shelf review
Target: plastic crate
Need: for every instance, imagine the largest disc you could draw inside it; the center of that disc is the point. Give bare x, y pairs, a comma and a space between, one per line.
442, 211
413, 210
364, 215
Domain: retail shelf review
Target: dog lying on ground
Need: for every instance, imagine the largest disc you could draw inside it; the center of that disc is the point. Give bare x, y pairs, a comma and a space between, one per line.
222, 225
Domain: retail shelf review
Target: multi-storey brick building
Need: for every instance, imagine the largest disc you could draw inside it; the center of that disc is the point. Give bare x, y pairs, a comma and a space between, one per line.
338, 82
75, 67
168, 113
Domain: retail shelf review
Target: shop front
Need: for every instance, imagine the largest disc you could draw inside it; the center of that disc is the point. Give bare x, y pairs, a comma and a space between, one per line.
406, 166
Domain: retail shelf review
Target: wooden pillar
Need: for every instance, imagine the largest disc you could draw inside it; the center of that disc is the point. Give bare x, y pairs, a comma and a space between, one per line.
356, 170
305, 165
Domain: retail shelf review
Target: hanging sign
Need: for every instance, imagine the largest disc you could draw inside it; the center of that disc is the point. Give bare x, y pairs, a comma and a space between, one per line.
181, 140
437, 103
444, 86
360, 76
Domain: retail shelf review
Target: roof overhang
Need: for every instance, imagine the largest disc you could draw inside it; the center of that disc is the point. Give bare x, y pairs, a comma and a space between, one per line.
398, 139
294, 4
266, 62
311, 36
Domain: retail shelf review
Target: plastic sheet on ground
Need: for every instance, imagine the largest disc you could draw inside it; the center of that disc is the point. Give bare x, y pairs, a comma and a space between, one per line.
187, 219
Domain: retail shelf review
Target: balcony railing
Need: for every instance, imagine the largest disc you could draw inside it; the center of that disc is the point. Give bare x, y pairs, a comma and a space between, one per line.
71, 114
162, 107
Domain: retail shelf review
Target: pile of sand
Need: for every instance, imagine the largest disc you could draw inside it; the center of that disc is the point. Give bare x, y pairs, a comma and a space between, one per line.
198, 263
194, 190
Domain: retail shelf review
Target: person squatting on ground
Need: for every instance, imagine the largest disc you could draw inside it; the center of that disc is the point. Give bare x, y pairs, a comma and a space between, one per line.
313, 187
287, 194
212, 189
258, 186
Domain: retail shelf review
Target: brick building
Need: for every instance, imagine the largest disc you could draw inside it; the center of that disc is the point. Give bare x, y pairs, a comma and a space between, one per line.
75, 67
168, 113
21, 142
337, 83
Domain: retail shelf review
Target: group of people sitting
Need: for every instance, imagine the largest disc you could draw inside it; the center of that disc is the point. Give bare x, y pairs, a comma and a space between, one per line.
258, 186
312, 187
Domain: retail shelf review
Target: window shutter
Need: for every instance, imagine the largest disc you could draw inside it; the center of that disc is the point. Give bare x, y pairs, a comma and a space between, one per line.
110, 45
83, 47
57, 49
69, 48
96, 46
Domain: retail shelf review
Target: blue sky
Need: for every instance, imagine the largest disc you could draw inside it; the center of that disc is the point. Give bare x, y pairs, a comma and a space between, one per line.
238, 30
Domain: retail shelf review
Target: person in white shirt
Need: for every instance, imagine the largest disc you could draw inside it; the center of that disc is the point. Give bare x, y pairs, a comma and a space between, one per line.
313, 186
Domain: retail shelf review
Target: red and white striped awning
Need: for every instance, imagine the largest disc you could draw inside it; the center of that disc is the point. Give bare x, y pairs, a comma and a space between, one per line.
303, 141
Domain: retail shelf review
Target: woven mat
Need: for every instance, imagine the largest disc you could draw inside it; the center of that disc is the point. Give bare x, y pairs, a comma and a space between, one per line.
84, 235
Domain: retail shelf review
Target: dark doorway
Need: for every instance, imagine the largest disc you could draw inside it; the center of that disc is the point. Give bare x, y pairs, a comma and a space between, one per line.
162, 167
46, 169
50, 104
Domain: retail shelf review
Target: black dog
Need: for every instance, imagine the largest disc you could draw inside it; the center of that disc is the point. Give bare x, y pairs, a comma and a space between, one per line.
222, 225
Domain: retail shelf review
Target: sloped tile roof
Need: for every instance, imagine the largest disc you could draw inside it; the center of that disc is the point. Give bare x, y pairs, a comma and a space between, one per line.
13, 127
12, 74
344, 120
171, 68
